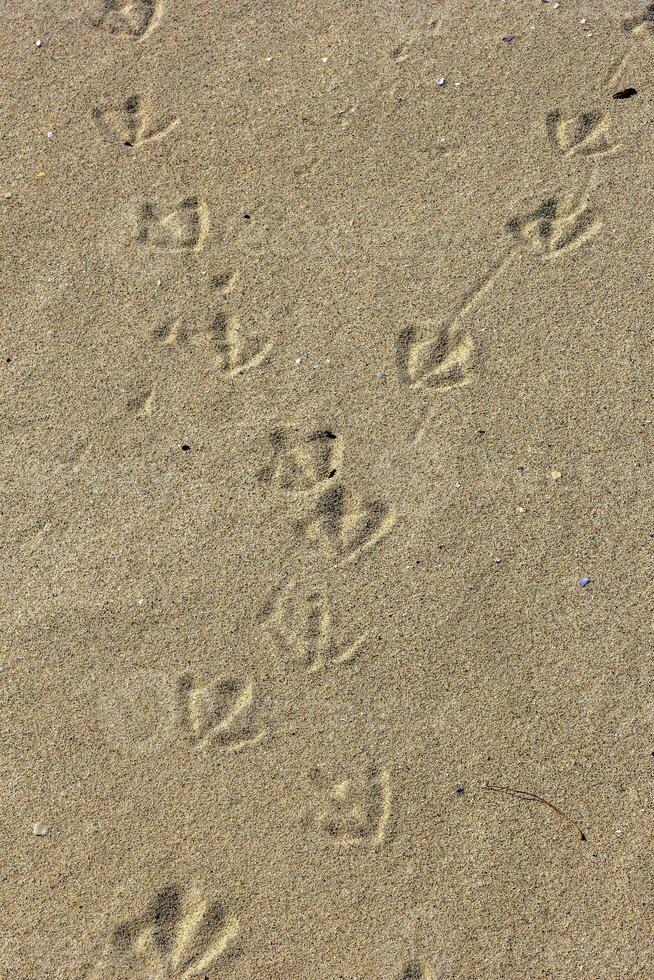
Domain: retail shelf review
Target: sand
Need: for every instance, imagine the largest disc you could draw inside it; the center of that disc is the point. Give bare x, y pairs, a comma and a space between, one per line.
327, 483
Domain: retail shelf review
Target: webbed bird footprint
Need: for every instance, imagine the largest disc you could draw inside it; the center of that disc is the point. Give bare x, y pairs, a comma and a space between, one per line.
581, 134
136, 18
557, 225
302, 461
219, 713
181, 229
129, 123
299, 618
344, 526
356, 809
442, 361
181, 934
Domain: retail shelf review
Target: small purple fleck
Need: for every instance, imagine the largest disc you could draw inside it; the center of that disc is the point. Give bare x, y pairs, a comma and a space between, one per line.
508, 37
583, 582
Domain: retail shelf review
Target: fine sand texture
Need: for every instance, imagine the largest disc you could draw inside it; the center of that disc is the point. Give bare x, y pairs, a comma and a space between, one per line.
327, 489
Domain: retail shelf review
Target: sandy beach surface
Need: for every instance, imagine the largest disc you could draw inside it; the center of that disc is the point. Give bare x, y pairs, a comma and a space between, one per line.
326, 489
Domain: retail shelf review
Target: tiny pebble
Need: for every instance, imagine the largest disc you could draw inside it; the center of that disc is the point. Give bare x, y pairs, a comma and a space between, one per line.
583, 20
497, 561
40, 830
508, 37
39, 43
298, 361
583, 582
555, 475
556, 5
50, 134
440, 81
7, 195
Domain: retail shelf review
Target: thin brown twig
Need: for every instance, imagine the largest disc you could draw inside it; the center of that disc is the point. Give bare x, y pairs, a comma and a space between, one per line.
523, 794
